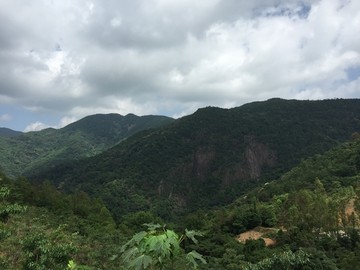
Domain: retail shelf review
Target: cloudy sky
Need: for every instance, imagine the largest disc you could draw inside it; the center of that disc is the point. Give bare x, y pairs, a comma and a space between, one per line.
61, 60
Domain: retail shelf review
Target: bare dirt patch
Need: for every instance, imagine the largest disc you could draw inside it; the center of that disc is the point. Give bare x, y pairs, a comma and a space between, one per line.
350, 208
350, 214
258, 233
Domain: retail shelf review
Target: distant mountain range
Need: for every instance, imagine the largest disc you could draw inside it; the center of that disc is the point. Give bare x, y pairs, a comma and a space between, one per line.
21, 153
6, 132
210, 157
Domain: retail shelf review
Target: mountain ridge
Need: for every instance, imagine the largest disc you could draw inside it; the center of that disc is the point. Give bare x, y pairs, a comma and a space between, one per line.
310, 210
7, 132
86, 137
213, 155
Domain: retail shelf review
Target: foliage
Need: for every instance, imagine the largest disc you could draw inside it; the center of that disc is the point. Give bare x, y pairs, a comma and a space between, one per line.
42, 252
74, 266
158, 248
34, 239
184, 173
25, 153
6, 208
311, 205
283, 261
211, 157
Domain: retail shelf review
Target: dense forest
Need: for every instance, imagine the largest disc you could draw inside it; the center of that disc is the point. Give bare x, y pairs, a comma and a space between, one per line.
208, 158
22, 153
268, 185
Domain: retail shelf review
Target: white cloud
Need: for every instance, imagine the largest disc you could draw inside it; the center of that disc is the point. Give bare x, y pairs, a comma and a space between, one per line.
5, 117
36, 126
66, 120
116, 22
173, 56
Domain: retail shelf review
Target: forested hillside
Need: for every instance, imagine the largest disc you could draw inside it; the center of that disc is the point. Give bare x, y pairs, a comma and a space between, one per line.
308, 218
210, 157
21, 153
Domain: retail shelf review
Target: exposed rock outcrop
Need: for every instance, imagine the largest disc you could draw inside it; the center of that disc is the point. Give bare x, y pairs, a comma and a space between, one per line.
202, 161
258, 155
255, 157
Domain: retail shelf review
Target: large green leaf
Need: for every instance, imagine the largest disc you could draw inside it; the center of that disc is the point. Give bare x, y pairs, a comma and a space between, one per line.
158, 245
192, 257
135, 240
130, 254
152, 226
141, 262
191, 234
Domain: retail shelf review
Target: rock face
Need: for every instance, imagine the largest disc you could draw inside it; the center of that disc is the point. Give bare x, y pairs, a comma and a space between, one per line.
209, 175
255, 157
202, 161
258, 155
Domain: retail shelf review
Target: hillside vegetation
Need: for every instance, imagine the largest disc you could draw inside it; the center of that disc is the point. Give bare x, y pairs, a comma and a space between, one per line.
284, 171
210, 157
32, 151
313, 208
310, 212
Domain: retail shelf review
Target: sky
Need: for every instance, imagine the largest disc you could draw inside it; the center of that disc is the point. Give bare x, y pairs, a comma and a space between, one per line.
61, 60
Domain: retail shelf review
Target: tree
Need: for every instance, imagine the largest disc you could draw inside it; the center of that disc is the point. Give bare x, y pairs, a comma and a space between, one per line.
158, 248
285, 260
7, 208
47, 250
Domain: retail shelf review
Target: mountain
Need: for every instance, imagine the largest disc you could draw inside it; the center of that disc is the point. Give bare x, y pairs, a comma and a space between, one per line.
307, 217
6, 132
313, 208
210, 157
84, 138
